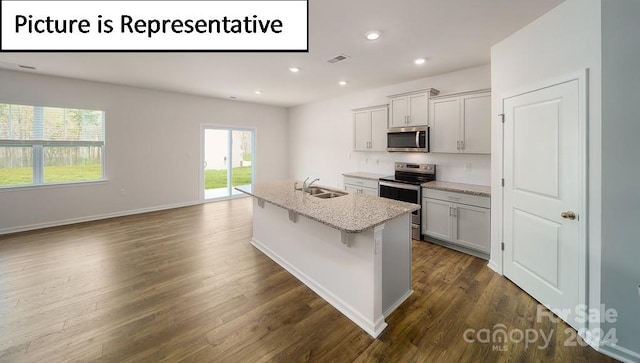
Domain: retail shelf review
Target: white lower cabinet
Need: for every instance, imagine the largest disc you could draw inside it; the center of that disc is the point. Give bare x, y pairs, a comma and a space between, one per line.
460, 219
361, 185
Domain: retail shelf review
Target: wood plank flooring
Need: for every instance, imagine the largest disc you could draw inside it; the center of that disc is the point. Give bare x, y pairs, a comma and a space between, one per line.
185, 285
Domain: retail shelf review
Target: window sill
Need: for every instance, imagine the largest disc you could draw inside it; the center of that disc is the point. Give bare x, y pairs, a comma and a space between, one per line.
11, 188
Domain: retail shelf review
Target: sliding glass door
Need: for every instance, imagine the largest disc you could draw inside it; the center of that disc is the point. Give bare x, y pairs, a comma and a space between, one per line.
228, 161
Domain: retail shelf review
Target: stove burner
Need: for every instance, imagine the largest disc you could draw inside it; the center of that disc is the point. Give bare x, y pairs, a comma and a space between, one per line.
414, 174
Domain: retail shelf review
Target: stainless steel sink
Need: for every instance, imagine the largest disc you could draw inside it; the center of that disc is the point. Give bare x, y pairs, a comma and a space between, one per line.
316, 190
323, 193
329, 194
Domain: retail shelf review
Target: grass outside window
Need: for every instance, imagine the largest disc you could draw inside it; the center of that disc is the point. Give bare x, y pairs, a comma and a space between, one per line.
217, 178
53, 174
58, 174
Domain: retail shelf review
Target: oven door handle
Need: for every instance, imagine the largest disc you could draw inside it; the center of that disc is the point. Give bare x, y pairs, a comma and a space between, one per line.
400, 185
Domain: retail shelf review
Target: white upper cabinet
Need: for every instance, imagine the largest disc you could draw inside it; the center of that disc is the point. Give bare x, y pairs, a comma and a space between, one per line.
461, 123
370, 125
410, 109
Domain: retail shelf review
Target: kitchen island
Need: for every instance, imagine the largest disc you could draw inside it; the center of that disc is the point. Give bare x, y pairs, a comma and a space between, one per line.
353, 250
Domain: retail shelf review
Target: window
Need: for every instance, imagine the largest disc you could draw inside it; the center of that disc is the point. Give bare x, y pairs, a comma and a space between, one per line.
47, 145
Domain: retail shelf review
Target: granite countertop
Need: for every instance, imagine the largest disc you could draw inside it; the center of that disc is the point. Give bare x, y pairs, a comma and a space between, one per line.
473, 189
351, 213
365, 175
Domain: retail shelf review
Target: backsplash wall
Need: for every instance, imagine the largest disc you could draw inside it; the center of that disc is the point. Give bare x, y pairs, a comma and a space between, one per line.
461, 168
321, 135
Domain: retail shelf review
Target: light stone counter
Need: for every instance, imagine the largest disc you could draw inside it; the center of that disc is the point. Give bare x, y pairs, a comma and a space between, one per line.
351, 213
473, 189
365, 175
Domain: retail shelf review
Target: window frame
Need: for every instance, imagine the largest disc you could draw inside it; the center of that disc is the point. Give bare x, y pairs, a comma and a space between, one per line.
38, 154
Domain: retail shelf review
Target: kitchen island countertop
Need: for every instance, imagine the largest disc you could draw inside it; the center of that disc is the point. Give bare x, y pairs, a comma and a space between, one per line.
351, 213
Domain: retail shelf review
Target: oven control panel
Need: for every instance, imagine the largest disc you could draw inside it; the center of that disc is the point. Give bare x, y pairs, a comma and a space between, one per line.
416, 168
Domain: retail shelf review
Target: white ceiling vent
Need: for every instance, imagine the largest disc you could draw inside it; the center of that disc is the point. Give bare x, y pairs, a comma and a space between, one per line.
338, 58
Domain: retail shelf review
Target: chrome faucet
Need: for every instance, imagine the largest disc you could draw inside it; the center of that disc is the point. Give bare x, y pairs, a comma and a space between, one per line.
305, 186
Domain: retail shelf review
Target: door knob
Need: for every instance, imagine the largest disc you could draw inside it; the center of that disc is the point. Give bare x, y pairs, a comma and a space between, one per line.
568, 215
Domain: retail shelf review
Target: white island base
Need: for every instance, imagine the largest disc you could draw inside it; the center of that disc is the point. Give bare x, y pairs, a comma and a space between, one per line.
365, 275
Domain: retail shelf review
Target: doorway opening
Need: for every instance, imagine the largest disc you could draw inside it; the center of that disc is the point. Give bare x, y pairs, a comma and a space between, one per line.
228, 161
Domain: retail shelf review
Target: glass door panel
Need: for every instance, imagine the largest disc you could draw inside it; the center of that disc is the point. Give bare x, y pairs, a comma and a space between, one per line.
242, 156
216, 162
228, 161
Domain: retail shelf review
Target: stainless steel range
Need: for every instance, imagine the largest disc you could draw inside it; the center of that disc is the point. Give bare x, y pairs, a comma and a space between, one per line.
405, 184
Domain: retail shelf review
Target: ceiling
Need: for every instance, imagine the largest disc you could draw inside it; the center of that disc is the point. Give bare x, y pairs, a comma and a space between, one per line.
451, 34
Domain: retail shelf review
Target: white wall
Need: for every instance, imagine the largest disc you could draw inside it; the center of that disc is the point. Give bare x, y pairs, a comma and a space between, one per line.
321, 135
568, 39
152, 149
564, 41
620, 171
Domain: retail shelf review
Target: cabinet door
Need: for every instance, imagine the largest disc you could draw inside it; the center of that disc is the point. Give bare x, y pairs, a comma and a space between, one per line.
379, 120
472, 227
351, 188
436, 219
362, 121
444, 127
370, 191
476, 123
399, 111
418, 107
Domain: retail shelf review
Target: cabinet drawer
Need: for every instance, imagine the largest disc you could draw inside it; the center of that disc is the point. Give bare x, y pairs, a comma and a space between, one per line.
475, 200
367, 183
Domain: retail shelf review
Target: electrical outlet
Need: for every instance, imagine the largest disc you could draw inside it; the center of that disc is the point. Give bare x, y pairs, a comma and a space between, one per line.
467, 167
123, 192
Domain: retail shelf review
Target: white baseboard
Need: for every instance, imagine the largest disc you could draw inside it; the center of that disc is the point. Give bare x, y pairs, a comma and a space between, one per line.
609, 349
372, 328
395, 305
494, 266
94, 217
618, 352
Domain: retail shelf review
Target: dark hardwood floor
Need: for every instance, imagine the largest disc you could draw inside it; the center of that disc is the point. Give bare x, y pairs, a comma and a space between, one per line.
186, 285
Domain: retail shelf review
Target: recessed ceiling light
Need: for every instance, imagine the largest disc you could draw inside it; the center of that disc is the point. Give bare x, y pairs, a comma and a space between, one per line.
294, 69
233, 97
373, 35
258, 92
343, 83
420, 61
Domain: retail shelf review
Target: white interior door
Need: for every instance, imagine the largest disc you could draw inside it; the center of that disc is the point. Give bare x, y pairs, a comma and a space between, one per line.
543, 246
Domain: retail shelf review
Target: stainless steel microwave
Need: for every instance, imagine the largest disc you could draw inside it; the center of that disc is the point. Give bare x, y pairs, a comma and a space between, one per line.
408, 139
